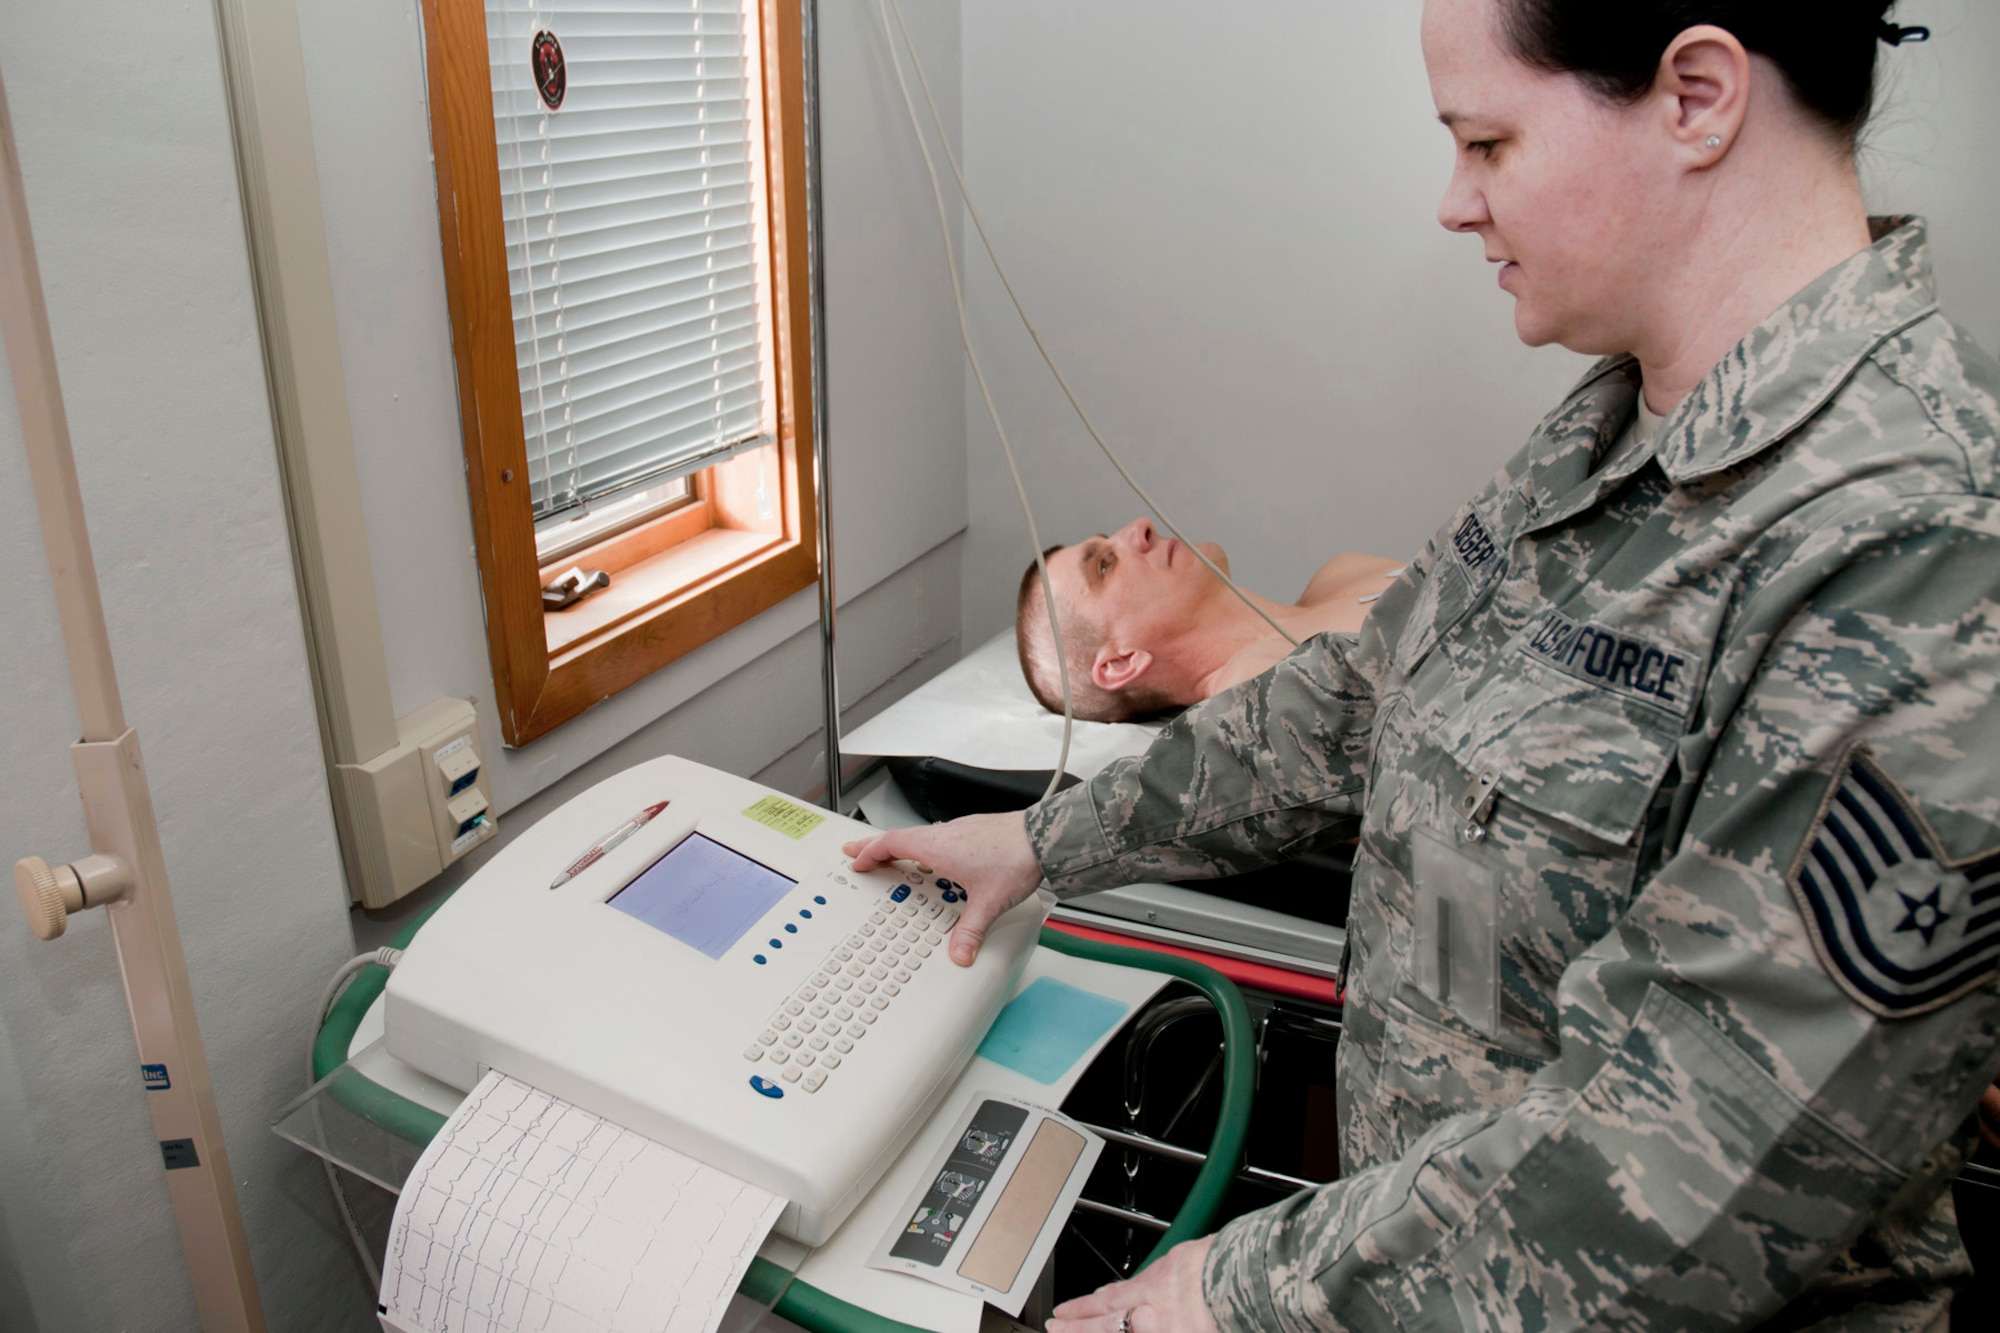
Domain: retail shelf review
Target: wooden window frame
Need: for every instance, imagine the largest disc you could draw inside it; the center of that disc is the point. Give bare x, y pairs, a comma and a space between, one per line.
696, 572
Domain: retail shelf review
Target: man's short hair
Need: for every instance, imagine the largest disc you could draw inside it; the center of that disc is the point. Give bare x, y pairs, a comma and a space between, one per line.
1081, 639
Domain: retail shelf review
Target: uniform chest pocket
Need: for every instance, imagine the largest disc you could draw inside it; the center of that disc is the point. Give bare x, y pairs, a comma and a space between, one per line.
1537, 855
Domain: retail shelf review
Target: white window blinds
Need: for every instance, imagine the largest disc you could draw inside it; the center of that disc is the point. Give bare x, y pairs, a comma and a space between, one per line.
635, 220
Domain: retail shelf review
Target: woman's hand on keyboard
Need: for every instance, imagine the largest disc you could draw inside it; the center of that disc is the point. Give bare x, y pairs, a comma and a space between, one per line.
989, 856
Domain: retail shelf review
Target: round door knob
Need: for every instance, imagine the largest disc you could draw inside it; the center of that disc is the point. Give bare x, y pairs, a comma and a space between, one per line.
48, 895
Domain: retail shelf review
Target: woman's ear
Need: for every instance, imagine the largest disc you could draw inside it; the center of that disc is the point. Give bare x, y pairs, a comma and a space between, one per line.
1704, 91
1114, 670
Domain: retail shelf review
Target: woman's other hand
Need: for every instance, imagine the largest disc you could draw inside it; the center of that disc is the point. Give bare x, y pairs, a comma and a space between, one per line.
1166, 1298
989, 857
1989, 1115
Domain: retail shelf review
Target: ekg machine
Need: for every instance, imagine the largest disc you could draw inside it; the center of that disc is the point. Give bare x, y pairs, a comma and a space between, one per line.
687, 953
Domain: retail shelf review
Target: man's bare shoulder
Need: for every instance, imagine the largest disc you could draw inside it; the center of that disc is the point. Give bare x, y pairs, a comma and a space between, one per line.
1349, 575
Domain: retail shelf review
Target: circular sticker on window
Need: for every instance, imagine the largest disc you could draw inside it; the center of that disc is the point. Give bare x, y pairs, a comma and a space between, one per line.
551, 74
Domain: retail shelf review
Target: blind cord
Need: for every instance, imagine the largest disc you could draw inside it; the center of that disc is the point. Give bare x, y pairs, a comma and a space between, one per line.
1034, 334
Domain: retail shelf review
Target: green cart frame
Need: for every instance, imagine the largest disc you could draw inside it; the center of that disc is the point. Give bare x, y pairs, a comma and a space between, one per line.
767, 1283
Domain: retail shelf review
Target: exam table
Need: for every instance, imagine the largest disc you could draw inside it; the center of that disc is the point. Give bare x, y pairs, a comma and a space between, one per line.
1210, 1171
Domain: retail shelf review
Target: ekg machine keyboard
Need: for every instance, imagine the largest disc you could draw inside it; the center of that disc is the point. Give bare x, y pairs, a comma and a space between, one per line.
817, 1029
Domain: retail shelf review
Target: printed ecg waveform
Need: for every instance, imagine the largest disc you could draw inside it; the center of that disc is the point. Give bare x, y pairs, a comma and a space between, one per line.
528, 1215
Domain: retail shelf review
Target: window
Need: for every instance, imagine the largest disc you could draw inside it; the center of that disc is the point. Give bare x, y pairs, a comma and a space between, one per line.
621, 200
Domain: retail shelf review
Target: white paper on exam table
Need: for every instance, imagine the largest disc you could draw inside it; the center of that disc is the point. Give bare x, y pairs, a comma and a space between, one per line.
979, 713
840, 1267
526, 1212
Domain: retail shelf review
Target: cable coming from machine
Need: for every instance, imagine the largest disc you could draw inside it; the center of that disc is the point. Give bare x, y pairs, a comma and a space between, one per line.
1034, 334
384, 957
979, 374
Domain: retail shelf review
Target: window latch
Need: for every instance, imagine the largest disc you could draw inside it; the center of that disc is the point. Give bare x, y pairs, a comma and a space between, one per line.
571, 587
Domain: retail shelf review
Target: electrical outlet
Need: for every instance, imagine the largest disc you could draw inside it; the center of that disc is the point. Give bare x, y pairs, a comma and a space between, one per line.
419, 807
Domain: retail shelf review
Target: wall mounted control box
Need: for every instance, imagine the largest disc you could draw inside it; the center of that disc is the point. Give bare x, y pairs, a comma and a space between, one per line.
418, 807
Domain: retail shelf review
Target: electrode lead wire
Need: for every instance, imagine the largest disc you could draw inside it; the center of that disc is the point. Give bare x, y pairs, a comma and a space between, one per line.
1034, 335
979, 374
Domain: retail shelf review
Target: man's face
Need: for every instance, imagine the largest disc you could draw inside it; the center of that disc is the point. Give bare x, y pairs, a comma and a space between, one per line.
1559, 184
1144, 589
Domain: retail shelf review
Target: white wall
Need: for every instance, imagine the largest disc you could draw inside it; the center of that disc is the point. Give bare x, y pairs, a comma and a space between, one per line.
131, 188
1931, 151
125, 139
1223, 221
896, 412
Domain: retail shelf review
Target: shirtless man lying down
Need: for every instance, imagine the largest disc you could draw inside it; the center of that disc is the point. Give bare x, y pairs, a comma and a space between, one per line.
1146, 627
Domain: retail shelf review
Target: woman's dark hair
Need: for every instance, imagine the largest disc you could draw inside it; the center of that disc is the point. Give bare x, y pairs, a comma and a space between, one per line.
1826, 48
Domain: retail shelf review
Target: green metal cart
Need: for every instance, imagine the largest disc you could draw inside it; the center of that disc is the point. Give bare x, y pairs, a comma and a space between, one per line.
770, 1285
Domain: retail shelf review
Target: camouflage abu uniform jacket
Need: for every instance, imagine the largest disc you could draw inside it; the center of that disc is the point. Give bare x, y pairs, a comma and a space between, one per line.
1676, 908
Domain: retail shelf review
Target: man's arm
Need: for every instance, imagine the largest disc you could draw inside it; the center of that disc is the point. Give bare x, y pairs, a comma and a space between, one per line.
1771, 1051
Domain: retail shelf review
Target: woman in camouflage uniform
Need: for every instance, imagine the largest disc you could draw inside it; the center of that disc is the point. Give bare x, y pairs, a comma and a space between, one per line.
1676, 912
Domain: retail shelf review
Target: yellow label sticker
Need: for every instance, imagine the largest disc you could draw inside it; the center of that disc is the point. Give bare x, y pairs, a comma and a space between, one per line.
789, 818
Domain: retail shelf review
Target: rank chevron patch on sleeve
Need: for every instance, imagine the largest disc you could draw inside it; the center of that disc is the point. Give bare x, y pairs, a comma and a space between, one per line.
1901, 926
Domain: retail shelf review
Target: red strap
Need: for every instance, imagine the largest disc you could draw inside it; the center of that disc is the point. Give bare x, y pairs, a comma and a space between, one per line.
1259, 976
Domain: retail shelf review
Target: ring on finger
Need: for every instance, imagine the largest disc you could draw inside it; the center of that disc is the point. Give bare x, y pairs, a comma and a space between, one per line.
1125, 1321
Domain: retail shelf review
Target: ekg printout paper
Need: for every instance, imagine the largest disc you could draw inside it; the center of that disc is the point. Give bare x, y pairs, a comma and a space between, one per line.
527, 1213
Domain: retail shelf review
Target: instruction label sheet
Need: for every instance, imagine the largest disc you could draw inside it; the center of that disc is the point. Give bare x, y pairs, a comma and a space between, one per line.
993, 1201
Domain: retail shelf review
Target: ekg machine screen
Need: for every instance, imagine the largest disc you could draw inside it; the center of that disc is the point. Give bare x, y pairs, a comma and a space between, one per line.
703, 894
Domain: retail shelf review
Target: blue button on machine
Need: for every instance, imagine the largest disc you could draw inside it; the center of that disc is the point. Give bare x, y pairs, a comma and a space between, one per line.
766, 1086
791, 929
900, 892
806, 912
821, 901
949, 896
760, 960
946, 884
777, 944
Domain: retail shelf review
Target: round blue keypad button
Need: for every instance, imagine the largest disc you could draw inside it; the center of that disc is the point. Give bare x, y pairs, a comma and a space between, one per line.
791, 929
777, 944
760, 960
821, 901
806, 912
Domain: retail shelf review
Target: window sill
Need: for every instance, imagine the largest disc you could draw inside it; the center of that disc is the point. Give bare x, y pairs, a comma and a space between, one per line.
655, 585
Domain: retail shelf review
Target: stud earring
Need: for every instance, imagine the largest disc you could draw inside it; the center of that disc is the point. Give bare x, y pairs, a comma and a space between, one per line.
1714, 142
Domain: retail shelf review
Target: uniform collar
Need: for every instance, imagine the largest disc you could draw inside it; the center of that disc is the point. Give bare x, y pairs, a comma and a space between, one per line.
1792, 363
1565, 472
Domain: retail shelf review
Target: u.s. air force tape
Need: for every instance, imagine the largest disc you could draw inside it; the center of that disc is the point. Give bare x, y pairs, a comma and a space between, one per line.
1901, 926
1627, 664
